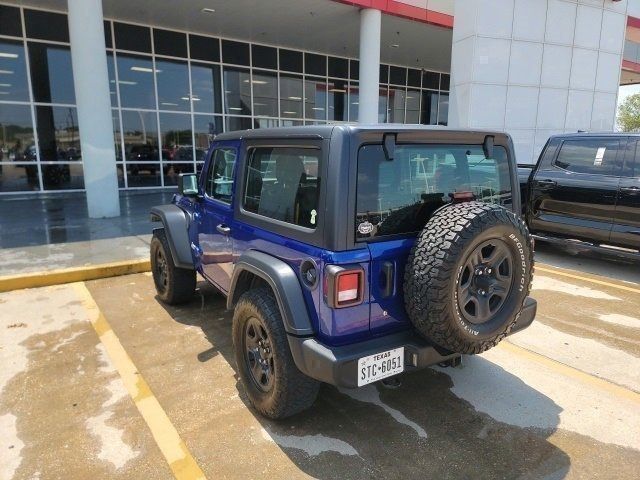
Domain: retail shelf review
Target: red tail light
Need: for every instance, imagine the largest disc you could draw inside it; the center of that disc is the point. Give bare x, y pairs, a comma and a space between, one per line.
343, 286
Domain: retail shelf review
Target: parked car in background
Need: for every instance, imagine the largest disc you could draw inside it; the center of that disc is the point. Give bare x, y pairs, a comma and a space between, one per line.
585, 189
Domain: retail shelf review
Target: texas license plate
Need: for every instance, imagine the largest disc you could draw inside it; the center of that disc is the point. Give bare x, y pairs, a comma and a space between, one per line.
380, 365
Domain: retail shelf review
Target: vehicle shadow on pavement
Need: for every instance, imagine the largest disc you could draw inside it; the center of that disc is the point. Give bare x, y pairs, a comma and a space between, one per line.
421, 429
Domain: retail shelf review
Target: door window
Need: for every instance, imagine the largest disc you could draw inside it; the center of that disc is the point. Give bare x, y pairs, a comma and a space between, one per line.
283, 183
219, 183
591, 155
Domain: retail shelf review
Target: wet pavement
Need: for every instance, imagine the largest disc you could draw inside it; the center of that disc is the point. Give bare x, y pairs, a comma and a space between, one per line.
558, 400
63, 218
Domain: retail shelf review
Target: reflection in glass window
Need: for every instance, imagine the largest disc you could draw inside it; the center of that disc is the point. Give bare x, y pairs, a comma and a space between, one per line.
237, 91
117, 134
172, 78
205, 88
337, 100
338, 67
265, 123
141, 148
177, 140
16, 177
62, 176
132, 37
205, 127
315, 98
235, 52
51, 73
264, 57
265, 94
290, 60
16, 134
396, 105
10, 23
290, 96
237, 123
354, 102
13, 73
204, 48
429, 114
443, 109
112, 79
46, 25
219, 181
135, 80
413, 106
168, 42
58, 134
382, 104
315, 64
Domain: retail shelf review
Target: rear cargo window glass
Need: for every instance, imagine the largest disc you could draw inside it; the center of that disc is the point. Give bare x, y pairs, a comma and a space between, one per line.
283, 183
592, 155
399, 196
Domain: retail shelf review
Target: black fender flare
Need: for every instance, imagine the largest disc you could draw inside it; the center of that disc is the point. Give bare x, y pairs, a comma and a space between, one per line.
176, 227
285, 284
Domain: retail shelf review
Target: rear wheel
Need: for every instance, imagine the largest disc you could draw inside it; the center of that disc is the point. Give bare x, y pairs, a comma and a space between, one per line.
274, 385
468, 276
174, 285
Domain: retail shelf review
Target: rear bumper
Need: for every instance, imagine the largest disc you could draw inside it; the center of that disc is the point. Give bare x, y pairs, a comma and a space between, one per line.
338, 365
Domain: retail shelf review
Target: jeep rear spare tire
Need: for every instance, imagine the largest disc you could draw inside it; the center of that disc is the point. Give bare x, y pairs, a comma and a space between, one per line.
468, 276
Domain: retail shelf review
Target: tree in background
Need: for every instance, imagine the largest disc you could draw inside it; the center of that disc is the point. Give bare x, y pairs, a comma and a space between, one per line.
629, 114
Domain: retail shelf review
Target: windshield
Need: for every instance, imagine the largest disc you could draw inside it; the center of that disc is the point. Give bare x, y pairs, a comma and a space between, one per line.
399, 196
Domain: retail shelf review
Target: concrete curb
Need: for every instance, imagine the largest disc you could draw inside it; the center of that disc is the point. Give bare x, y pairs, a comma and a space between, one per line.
76, 274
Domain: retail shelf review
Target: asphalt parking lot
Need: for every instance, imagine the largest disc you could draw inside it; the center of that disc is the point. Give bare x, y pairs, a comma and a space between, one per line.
100, 380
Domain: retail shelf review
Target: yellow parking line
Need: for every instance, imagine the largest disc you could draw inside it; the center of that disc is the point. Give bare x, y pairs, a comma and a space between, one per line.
587, 279
180, 460
568, 371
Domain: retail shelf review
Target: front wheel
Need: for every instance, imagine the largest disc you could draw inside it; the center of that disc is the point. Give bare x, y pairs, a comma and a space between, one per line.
274, 385
174, 285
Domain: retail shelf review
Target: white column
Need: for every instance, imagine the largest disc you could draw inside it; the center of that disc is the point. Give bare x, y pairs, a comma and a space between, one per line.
370, 21
535, 68
91, 79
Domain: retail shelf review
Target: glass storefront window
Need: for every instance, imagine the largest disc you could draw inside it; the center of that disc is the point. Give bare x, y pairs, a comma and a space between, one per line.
142, 157
58, 134
265, 94
205, 88
172, 78
10, 23
132, 37
338, 67
135, 81
112, 79
204, 48
264, 57
266, 122
205, 127
413, 106
290, 96
290, 60
51, 73
315, 98
429, 111
16, 134
177, 146
396, 105
337, 100
237, 123
46, 25
315, 64
443, 109
382, 104
13, 72
235, 52
237, 91
354, 102
167, 42
117, 134
431, 80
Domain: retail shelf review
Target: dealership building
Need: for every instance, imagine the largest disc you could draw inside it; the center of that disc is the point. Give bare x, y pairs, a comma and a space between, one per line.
102, 96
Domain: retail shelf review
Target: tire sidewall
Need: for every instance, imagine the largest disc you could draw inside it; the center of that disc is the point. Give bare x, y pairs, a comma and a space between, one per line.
157, 244
503, 320
244, 311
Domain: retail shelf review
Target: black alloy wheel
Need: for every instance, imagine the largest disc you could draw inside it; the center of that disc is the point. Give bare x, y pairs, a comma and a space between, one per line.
258, 354
486, 281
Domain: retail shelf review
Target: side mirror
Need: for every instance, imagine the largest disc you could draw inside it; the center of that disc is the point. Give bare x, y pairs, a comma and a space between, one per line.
188, 184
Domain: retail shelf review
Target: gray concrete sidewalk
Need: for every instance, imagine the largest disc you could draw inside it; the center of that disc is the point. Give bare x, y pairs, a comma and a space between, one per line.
54, 232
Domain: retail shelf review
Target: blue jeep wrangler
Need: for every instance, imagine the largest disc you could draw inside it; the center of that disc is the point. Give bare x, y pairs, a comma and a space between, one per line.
350, 254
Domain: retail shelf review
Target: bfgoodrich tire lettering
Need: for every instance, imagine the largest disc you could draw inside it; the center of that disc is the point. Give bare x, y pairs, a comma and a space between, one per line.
446, 296
289, 391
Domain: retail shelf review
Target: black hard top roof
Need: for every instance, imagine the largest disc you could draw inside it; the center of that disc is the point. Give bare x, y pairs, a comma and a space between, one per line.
325, 131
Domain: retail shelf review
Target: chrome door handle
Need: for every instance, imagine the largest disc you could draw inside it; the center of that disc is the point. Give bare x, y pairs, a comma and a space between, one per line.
223, 229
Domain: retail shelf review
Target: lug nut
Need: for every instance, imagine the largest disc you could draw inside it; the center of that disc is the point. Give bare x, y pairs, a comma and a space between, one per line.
482, 292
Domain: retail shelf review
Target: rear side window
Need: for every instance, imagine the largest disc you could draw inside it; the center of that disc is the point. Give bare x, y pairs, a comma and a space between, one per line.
283, 183
219, 181
592, 155
399, 196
